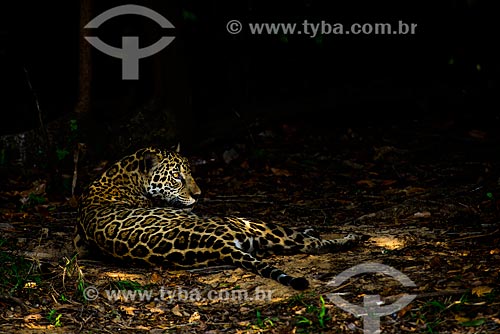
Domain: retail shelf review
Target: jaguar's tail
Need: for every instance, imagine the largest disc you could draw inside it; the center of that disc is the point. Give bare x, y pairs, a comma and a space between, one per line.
247, 261
267, 271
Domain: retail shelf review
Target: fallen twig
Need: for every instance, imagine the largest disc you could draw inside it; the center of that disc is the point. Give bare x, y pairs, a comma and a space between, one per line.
210, 270
392, 299
76, 155
476, 236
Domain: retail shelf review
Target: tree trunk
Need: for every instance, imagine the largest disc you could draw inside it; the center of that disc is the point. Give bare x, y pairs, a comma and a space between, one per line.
85, 63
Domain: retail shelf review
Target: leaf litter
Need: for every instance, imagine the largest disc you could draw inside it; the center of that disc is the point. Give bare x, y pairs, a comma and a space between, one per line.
431, 213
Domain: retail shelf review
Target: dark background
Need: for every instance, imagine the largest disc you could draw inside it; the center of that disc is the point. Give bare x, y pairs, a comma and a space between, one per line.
213, 82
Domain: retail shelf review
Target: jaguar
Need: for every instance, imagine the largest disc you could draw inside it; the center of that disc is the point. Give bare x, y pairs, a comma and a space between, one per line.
139, 211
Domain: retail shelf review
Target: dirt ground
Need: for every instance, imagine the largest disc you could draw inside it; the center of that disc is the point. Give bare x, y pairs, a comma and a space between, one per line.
426, 197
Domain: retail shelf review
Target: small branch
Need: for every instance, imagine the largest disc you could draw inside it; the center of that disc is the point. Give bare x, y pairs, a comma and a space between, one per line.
182, 325
45, 134
210, 270
476, 236
79, 147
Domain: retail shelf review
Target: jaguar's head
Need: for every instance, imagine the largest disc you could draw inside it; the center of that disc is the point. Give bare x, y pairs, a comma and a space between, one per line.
169, 178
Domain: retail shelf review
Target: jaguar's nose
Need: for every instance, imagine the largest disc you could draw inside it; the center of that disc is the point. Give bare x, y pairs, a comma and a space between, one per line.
195, 192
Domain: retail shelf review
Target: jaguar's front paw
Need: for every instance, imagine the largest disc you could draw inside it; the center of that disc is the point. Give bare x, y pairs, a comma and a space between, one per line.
354, 239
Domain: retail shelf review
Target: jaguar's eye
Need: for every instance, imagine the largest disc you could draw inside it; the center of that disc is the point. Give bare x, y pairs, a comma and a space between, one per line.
176, 175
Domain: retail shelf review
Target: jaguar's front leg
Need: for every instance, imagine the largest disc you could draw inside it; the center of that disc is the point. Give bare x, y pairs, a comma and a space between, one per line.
284, 240
314, 245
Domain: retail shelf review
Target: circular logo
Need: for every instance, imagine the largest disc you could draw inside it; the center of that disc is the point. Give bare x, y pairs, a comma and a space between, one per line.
234, 27
90, 293
372, 309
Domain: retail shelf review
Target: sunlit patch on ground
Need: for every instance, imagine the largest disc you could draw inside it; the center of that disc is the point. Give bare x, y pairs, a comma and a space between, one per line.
388, 242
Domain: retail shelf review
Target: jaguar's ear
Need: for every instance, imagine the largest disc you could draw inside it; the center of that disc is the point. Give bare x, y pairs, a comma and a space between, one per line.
177, 148
150, 160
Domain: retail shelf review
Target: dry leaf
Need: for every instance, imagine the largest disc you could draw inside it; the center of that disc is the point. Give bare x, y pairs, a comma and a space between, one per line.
280, 172
478, 134
424, 214
128, 309
155, 278
402, 312
33, 317
481, 290
73, 202
461, 319
412, 190
195, 317
381, 151
177, 310
368, 183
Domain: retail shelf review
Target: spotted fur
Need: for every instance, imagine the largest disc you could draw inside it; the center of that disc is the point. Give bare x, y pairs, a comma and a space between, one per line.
132, 213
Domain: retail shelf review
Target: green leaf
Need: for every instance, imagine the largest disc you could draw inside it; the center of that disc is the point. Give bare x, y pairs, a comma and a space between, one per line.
301, 320
437, 304
61, 154
473, 323
36, 199
73, 125
189, 16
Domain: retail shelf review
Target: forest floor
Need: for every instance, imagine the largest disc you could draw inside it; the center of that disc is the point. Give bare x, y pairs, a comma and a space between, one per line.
427, 198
